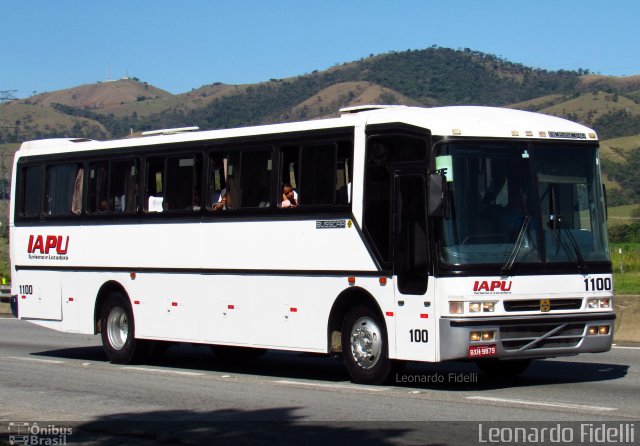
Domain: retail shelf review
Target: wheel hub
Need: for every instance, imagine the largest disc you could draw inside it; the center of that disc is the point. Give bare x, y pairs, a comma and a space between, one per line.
366, 343
117, 328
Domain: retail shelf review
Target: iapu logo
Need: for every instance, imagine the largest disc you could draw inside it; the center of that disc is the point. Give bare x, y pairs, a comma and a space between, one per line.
43, 245
492, 286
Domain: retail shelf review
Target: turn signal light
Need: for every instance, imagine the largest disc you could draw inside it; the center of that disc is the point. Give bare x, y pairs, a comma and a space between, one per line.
488, 335
598, 330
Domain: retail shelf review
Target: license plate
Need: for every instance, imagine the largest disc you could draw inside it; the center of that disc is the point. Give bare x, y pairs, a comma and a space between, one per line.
477, 351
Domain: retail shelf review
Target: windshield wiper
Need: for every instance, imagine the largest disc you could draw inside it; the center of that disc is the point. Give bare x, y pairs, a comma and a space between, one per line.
506, 269
557, 222
582, 266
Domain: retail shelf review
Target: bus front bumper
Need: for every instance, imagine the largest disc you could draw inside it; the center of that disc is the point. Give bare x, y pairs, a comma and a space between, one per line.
523, 337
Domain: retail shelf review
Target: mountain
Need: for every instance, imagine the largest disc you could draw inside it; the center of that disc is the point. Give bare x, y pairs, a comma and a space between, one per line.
429, 77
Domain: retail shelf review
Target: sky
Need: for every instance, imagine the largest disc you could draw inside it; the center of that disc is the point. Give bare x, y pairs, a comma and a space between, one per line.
180, 45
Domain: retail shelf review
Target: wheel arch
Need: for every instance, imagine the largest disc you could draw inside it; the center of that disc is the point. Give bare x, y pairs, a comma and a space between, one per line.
345, 301
106, 289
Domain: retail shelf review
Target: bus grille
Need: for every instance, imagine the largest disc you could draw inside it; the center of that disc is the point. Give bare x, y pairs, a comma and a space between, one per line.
534, 304
515, 338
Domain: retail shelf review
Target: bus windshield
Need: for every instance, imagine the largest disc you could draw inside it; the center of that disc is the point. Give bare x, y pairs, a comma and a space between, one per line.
512, 203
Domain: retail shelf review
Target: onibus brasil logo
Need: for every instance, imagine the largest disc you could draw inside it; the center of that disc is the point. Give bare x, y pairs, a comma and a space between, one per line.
23, 433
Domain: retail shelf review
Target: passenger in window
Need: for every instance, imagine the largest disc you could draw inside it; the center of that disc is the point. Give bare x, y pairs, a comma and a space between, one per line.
221, 205
289, 197
103, 206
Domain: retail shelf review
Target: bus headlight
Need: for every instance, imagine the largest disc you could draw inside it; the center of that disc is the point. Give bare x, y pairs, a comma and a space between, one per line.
456, 307
488, 306
599, 302
475, 307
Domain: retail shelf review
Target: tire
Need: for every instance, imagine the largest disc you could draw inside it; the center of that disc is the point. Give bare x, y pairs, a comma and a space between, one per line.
118, 332
365, 349
232, 353
497, 368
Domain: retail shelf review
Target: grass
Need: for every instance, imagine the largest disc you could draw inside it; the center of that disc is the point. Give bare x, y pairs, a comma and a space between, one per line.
622, 215
625, 258
626, 283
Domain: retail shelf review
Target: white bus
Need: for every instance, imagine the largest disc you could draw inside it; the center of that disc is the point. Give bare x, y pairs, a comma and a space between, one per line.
388, 234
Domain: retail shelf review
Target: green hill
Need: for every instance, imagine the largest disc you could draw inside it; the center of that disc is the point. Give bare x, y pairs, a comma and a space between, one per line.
428, 77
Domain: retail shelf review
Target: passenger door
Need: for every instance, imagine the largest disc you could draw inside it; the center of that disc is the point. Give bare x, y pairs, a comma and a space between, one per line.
414, 291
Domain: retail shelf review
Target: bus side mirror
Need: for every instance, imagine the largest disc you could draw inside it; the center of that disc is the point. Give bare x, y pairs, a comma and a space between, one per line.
437, 193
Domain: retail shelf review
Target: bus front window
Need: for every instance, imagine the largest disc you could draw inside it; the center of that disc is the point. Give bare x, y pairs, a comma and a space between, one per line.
571, 205
492, 205
517, 203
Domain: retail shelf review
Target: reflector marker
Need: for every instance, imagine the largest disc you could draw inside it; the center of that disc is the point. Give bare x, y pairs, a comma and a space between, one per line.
231, 306
293, 310
351, 280
174, 304
389, 313
424, 316
136, 302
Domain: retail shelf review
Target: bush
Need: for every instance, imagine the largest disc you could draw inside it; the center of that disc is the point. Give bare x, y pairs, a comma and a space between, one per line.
625, 233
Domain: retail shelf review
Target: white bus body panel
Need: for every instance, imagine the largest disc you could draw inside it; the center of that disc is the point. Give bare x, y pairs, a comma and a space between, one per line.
257, 284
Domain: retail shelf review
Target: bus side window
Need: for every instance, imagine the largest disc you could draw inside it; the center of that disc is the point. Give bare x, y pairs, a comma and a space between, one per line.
98, 182
344, 172
255, 179
319, 173
154, 195
31, 191
113, 186
290, 173
63, 191
123, 186
183, 182
217, 184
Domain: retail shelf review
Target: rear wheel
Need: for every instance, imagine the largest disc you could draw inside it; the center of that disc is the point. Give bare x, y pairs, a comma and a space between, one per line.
118, 332
497, 368
365, 349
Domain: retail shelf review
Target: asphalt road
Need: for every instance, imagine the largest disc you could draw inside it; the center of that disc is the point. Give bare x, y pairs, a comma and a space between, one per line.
192, 397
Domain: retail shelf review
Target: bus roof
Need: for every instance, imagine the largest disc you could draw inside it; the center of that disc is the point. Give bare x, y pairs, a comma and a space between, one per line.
465, 121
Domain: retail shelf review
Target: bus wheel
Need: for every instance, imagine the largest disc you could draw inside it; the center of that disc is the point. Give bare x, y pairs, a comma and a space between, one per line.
118, 331
364, 346
497, 368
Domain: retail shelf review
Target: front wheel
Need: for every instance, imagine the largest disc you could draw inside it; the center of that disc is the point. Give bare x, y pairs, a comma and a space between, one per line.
118, 331
364, 346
